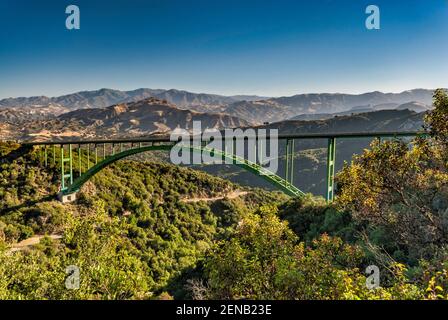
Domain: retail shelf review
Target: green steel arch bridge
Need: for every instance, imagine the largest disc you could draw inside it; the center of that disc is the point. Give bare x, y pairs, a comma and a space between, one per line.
91, 156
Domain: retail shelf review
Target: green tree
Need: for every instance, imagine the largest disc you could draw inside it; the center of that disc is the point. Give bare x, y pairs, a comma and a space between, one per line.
402, 190
265, 260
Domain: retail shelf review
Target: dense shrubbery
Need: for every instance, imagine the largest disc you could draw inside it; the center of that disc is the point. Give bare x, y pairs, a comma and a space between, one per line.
265, 260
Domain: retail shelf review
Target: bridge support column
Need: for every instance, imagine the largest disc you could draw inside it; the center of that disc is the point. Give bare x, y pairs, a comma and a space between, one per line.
289, 170
79, 160
40, 153
88, 156
64, 160
291, 162
46, 155
331, 156
54, 155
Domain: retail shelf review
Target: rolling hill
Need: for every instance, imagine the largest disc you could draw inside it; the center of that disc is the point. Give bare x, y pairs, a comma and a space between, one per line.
144, 117
259, 111
383, 120
412, 106
332, 103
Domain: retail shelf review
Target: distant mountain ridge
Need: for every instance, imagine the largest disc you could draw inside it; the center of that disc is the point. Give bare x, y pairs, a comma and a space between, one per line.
412, 106
106, 97
332, 103
300, 103
377, 121
327, 105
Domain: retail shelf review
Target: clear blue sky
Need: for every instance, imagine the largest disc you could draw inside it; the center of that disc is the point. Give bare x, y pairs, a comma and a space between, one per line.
260, 47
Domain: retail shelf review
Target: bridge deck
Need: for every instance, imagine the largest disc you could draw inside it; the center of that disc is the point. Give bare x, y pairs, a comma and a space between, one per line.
337, 135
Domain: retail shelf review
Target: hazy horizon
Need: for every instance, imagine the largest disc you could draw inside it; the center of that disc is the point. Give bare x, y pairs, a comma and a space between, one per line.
215, 93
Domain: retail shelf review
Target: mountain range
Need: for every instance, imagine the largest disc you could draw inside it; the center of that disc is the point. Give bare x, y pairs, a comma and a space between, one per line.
106, 97
149, 116
108, 112
254, 109
140, 118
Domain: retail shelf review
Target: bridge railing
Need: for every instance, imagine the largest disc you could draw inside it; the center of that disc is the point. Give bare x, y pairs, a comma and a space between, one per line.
165, 138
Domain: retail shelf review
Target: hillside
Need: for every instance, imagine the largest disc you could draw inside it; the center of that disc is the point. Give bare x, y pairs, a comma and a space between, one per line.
143, 117
383, 120
28, 113
260, 111
412, 106
132, 231
332, 103
149, 115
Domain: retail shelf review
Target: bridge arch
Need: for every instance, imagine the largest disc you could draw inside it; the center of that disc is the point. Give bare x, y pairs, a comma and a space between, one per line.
254, 168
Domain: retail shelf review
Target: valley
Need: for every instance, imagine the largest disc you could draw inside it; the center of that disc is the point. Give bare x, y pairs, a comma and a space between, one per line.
224, 155
143, 228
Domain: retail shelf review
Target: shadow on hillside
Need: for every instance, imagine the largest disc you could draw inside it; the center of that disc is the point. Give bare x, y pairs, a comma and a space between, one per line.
26, 204
17, 153
178, 286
